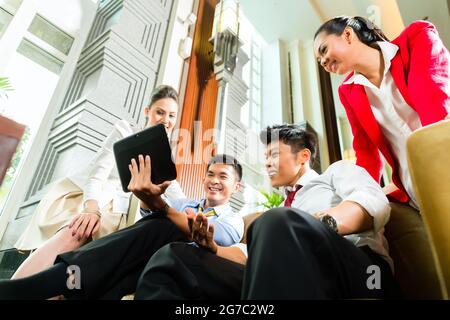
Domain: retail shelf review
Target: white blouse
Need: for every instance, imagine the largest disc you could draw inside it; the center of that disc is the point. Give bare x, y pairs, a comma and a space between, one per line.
397, 119
100, 179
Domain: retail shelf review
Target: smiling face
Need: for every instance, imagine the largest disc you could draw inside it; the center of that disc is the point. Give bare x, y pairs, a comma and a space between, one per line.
220, 183
283, 166
163, 111
336, 53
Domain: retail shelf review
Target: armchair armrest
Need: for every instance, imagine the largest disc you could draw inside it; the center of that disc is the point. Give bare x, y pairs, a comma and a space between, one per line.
429, 159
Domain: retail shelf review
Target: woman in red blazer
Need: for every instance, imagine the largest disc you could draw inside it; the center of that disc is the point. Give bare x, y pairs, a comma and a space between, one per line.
394, 88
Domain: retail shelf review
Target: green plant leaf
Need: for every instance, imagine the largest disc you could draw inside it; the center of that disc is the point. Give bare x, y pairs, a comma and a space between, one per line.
273, 200
5, 87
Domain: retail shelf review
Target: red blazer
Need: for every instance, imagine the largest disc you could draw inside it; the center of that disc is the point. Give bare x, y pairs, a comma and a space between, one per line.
421, 71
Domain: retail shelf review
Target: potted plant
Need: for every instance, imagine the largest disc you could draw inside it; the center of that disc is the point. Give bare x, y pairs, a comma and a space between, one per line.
273, 200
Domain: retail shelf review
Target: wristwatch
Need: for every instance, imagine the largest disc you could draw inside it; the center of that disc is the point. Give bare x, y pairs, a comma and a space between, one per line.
163, 211
329, 221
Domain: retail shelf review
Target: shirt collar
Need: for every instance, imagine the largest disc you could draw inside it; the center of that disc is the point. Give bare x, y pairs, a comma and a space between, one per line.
388, 50
222, 209
304, 180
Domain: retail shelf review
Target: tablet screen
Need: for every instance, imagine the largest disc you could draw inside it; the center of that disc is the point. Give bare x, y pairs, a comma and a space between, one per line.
153, 142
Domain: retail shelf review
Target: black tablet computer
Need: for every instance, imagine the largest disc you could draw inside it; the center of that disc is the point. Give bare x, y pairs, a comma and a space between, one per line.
153, 142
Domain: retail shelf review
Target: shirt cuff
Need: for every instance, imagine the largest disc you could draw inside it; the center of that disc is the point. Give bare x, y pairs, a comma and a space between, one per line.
375, 207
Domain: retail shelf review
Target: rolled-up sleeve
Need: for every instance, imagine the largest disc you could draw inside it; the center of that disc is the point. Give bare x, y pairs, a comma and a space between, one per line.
353, 183
228, 229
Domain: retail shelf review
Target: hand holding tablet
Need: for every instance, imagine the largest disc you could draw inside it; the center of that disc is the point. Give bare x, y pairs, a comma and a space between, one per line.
142, 186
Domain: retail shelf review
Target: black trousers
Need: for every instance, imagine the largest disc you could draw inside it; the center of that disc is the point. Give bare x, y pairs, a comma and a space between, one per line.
181, 271
110, 266
291, 256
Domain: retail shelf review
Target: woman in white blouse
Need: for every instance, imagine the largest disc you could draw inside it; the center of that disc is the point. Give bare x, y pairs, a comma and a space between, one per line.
90, 204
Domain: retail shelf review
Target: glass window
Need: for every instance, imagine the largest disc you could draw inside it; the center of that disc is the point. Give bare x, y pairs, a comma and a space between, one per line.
33, 73
40, 56
12, 4
51, 34
251, 112
245, 114
33, 86
5, 19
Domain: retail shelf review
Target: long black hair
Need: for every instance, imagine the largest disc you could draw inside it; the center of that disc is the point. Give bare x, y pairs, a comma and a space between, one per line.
366, 31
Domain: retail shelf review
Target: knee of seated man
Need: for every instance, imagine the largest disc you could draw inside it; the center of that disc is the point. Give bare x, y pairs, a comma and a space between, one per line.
272, 219
174, 249
170, 252
280, 218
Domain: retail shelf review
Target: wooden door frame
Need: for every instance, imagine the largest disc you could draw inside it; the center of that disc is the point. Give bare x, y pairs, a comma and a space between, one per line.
329, 116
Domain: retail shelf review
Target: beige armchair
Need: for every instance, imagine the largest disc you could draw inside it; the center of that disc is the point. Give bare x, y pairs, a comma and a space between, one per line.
429, 163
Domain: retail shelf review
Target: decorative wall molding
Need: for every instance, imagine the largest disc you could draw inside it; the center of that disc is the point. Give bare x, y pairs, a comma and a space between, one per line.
115, 74
233, 93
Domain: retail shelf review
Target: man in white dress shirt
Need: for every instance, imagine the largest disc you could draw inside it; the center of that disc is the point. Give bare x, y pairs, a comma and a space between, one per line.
325, 242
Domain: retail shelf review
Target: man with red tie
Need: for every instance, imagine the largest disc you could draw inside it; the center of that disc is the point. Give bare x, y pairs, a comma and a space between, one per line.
320, 244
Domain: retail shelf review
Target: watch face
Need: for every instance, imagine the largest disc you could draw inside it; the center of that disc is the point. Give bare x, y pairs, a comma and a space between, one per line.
330, 222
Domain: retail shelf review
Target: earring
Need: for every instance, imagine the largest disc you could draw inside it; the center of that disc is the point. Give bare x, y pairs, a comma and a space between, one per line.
146, 120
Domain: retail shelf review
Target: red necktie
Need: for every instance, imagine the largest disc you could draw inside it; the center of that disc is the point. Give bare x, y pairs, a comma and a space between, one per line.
291, 195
